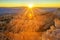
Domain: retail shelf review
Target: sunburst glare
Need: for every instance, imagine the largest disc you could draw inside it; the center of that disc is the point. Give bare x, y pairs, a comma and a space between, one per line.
30, 5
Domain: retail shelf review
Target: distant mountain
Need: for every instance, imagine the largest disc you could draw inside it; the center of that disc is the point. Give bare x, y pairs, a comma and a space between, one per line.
20, 9
11, 10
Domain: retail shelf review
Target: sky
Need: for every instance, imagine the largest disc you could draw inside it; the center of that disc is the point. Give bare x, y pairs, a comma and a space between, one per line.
15, 3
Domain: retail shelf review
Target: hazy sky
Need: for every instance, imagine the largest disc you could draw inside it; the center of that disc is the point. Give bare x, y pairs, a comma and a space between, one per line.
17, 2
30, 1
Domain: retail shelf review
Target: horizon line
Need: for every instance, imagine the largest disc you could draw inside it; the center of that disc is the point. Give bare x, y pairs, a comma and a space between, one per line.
35, 5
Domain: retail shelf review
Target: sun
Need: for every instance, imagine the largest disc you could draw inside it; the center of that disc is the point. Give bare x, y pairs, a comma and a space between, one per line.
30, 5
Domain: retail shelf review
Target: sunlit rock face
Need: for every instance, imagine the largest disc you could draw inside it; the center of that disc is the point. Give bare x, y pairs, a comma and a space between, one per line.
30, 26
54, 35
24, 27
57, 23
24, 23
